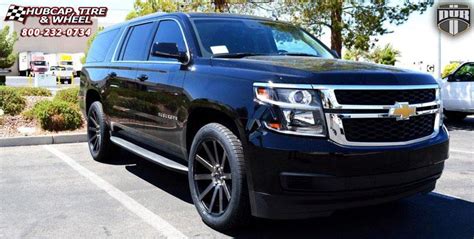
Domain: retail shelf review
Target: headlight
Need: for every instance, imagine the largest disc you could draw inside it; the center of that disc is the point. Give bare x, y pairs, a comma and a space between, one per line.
298, 111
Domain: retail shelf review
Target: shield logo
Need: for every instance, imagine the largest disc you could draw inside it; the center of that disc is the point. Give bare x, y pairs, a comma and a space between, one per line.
454, 18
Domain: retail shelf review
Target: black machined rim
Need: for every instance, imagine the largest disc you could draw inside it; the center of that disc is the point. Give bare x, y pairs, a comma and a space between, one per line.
93, 132
212, 177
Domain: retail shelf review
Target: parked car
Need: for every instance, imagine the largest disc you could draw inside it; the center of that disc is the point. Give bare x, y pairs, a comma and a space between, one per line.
458, 92
62, 73
263, 117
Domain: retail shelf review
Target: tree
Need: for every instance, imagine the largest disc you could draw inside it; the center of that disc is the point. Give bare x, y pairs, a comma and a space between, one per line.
145, 7
386, 55
351, 23
7, 55
449, 68
354, 55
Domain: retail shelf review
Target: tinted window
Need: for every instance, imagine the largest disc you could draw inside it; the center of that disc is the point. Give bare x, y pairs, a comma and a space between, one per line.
465, 72
218, 36
136, 44
101, 46
169, 31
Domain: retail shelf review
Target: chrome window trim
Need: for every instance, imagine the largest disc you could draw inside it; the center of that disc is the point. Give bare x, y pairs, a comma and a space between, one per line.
335, 129
120, 43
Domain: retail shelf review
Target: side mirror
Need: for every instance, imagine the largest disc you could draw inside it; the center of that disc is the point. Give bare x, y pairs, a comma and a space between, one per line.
451, 78
168, 50
335, 54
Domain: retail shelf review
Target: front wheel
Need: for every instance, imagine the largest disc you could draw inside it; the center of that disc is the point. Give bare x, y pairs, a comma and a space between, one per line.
217, 178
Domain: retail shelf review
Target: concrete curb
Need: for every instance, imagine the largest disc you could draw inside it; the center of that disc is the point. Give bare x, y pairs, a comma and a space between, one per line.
43, 139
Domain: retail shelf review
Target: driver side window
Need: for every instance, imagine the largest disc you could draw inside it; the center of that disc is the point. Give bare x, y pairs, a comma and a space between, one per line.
465, 73
168, 32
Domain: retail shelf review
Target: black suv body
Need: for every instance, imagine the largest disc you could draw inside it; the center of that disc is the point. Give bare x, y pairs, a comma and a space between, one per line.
261, 115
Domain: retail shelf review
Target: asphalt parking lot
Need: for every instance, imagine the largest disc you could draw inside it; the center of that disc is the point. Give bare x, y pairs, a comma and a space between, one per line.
58, 190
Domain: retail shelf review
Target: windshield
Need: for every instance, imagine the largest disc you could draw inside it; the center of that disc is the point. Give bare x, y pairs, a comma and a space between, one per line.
66, 63
39, 63
58, 68
233, 36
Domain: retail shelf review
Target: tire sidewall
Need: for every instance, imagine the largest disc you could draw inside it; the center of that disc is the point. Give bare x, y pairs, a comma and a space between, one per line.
211, 133
97, 107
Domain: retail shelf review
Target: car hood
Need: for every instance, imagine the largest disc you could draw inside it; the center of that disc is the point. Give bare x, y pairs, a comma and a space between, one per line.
311, 70
324, 65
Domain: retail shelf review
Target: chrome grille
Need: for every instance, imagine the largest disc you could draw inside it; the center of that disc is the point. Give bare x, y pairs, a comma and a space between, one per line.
388, 129
359, 115
384, 97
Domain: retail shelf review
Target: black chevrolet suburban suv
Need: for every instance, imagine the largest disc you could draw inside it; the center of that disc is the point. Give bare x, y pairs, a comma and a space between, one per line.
263, 117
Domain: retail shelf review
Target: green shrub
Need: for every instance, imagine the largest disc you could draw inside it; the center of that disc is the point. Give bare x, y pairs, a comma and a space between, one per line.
33, 91
11, 102
69, 95
57, 115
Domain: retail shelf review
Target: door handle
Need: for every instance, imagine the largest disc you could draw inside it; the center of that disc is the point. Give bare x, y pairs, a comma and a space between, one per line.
142, 77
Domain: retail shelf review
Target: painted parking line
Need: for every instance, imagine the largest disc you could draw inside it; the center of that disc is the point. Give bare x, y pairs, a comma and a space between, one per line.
461, 151
162, 226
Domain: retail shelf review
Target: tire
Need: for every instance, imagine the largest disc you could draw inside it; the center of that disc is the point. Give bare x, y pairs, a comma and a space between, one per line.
98, 134
219, 187
454, 116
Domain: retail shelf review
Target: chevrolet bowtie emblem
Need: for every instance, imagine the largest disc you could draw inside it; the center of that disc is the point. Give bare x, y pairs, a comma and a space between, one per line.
402, 111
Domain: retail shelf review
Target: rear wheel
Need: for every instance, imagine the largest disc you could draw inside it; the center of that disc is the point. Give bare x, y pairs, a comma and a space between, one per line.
217, 178
98, 133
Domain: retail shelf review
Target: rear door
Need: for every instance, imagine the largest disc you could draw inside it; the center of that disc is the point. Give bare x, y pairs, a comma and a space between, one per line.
160, 83
123, 88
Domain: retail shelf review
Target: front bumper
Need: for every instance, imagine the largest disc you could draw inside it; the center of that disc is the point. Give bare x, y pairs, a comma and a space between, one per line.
300, 177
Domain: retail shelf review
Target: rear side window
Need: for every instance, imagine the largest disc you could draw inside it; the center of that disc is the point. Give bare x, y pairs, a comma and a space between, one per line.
137, 43
169, 32
101, 46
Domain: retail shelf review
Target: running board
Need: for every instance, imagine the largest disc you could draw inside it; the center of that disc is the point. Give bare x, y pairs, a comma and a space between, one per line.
147, 154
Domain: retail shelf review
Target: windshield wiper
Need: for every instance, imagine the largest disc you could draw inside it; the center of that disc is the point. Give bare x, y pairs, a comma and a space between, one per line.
297, 54
236, 55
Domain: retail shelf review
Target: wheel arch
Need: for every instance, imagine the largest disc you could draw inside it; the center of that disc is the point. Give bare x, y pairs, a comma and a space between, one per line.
92, 95
201, 113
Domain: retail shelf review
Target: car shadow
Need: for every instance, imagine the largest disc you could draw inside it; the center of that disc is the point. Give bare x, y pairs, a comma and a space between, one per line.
423, 216
466, 124
171, 182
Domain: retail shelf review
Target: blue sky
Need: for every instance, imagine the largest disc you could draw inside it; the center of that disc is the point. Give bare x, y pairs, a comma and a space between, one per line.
417, 39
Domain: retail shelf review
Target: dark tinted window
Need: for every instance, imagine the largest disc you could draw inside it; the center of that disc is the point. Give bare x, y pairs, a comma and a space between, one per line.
465, 72
136, 44
101, 46
169, 31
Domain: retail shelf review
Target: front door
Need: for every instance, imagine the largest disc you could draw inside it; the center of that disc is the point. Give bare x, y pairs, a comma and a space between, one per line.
160, 83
